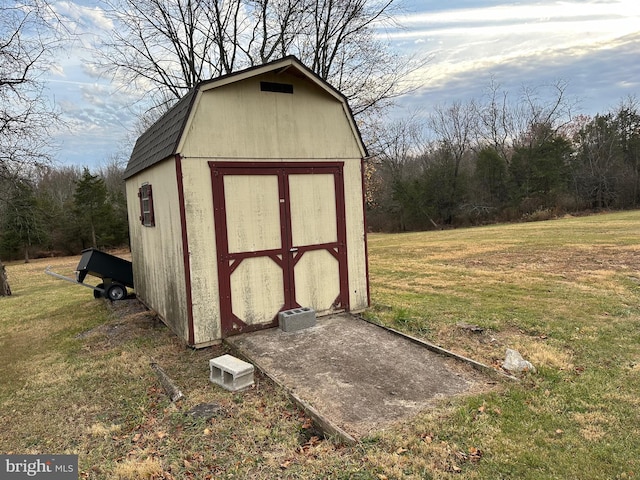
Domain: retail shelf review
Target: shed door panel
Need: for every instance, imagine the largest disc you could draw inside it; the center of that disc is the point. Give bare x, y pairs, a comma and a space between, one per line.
257, 290
317, 280
281, 240
253, 211
313, 228
313, 209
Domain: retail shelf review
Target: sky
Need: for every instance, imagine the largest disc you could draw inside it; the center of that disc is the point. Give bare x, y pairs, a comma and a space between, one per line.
593, 46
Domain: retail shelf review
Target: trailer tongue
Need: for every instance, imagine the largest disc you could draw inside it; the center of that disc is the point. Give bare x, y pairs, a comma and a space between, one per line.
116, 274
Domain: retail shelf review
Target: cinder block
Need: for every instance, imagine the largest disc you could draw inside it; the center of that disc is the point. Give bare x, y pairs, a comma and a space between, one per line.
297, 319
231, 373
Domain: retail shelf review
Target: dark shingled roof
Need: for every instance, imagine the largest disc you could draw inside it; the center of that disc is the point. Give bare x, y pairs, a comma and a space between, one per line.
161, 140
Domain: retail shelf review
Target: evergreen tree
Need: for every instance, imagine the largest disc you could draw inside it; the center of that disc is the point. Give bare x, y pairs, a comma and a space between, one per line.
539, 167
23, 224
491, 176
598, 165
91, 208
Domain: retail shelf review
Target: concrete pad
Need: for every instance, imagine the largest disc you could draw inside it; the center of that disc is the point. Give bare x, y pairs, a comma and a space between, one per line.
358, 377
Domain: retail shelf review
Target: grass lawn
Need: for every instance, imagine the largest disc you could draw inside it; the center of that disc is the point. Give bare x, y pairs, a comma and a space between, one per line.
565, 293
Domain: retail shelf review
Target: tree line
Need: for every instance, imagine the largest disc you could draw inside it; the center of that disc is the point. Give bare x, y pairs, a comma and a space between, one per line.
463, 164
500, 159
61, 211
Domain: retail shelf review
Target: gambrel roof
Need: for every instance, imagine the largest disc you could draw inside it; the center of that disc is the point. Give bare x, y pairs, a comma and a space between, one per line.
162, 139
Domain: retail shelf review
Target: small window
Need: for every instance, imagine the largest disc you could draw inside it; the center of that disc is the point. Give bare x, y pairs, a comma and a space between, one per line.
146, 205
276, 87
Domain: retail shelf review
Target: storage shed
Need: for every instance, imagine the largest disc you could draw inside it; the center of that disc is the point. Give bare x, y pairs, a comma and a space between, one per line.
246, 199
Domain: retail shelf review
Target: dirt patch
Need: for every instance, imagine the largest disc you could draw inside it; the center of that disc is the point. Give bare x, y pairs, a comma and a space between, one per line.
204, 411
570, 262
129, 319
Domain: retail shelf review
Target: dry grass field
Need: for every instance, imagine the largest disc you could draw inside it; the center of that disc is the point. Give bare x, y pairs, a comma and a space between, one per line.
565, 293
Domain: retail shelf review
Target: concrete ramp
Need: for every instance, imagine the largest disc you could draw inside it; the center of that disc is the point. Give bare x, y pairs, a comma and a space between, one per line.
355, 378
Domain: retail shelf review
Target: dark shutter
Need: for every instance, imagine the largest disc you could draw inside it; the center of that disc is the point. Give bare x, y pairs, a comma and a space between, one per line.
141, 206
147, 216
152, 218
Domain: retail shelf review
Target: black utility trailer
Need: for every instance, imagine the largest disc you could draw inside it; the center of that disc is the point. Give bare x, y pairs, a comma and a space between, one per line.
116, 274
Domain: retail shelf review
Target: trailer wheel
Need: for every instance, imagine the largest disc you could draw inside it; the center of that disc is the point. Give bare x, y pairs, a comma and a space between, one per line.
116, 292
98, 293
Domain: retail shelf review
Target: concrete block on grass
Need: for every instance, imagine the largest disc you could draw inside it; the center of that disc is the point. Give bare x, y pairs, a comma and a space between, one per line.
297, 319
231, 373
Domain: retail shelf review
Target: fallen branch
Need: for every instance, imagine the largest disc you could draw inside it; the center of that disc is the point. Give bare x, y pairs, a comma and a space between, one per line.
172, 390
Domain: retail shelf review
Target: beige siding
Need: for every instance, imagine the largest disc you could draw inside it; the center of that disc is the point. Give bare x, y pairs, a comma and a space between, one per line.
308, 124
202, 251
356, 253
156, 252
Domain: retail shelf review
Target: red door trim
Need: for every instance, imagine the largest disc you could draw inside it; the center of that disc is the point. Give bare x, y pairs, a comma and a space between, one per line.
287, 243
284, 257
342, 239
227, 319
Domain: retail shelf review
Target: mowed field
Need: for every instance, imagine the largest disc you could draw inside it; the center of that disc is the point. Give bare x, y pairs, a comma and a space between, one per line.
76, 378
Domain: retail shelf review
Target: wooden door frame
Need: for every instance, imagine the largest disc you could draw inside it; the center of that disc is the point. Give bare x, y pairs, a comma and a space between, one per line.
227, 263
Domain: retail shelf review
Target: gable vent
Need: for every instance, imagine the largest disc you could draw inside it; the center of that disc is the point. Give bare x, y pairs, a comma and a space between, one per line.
276, 87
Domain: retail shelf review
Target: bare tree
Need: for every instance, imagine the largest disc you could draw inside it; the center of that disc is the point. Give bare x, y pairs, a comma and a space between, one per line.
26, 41
57, 185
454, 127
340, 46
399, 141
274, 27
164, 47
162, 43
398, 149
505, 123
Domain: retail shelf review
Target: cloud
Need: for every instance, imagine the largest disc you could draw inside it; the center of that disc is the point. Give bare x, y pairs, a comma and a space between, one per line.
91, 70
82, 19
519, 14
97, 120
56, 70
592, 44
596, 79
516, 29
